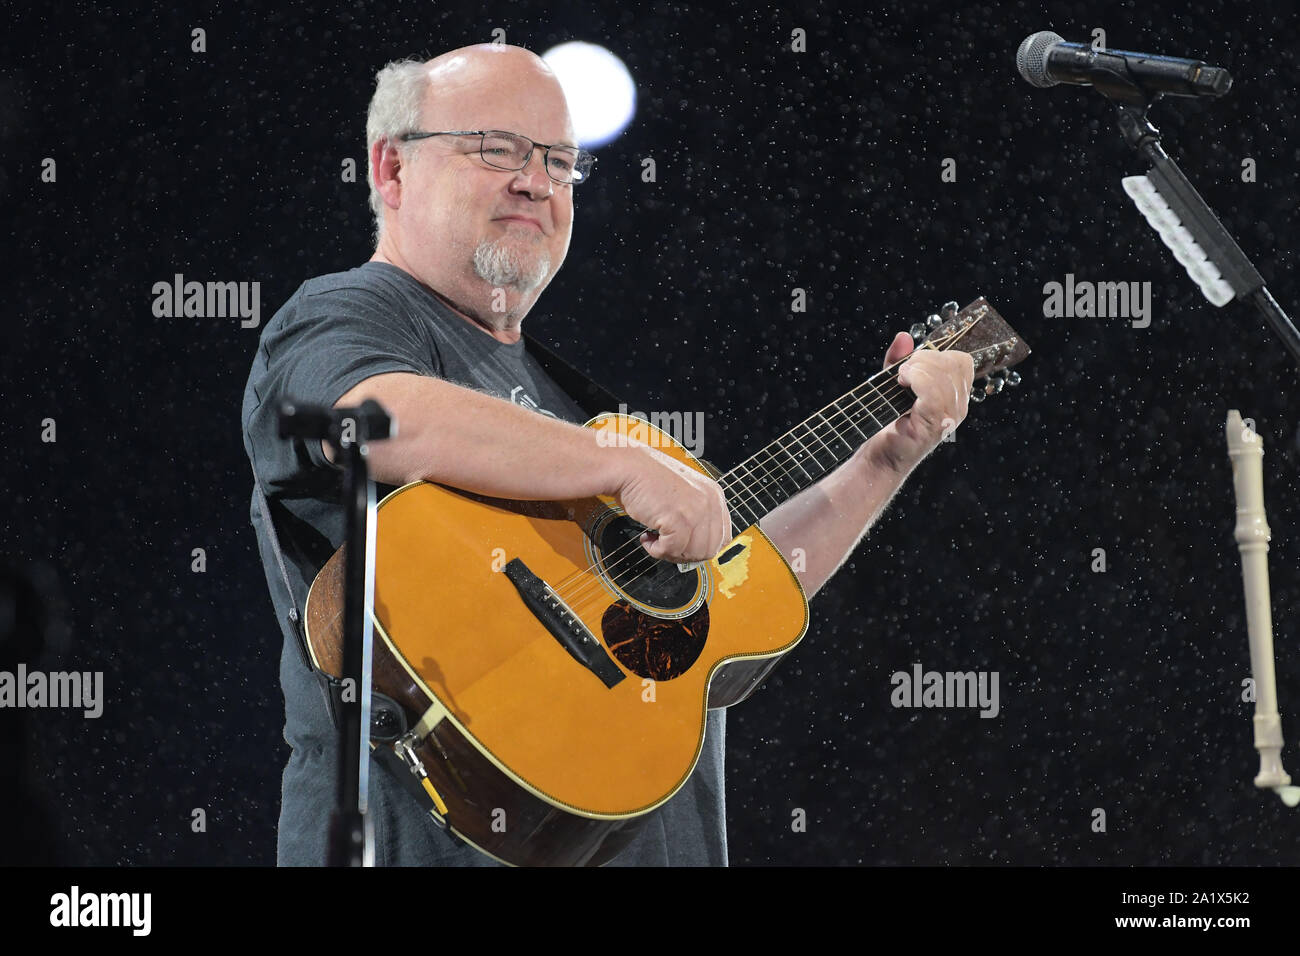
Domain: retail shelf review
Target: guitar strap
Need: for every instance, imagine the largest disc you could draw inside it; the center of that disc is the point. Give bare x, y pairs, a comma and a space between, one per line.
331, 687
264, 509
591, 397
388, 721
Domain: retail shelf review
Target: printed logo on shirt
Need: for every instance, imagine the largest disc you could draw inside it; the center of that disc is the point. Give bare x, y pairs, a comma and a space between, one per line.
520, 397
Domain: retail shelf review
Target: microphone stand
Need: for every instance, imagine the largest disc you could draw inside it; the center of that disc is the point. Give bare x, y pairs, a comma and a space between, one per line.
348, 430
1195, 214
1245, 448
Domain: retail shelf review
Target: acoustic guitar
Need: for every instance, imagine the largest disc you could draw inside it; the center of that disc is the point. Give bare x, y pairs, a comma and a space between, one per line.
554, 678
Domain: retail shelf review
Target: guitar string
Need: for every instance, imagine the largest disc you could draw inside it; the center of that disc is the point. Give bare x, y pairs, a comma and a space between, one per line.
633, 550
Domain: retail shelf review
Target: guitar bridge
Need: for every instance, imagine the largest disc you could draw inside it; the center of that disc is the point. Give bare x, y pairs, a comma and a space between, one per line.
565, 626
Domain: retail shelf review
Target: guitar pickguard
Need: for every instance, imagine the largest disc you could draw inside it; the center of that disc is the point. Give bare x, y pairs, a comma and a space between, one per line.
654, 648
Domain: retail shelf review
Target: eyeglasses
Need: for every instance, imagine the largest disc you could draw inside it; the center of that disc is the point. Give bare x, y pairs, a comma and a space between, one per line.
564, 164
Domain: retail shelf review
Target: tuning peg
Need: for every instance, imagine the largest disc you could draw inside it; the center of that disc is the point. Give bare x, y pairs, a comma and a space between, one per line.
1013, 379
919, 331
934, 321
949, 310
993, 384
977, 395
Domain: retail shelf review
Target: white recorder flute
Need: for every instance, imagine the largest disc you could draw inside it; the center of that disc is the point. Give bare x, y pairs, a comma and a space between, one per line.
1246, 450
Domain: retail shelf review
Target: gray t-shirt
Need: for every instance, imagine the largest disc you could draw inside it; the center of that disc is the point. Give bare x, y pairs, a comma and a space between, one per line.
334, 332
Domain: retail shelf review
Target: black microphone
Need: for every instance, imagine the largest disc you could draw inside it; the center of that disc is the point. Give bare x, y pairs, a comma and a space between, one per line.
1044, 59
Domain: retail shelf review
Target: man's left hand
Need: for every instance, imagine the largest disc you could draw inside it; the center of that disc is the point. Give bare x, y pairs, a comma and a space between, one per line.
942, 383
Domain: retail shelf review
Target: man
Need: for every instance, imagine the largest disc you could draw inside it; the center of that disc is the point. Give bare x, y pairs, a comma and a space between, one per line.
470, 229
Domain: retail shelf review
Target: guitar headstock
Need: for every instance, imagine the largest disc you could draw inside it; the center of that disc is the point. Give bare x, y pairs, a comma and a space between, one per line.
993, 345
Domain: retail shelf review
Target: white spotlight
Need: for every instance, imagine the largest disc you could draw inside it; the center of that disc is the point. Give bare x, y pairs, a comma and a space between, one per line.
600, 91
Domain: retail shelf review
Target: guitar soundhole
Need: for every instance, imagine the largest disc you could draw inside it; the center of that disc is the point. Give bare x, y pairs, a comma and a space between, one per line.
652, 647
657, 583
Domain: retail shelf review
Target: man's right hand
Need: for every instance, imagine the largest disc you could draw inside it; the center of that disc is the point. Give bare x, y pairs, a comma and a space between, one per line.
687, 508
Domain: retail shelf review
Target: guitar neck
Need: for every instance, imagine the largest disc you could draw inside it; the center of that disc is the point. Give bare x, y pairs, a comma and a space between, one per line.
812, 449
827, 439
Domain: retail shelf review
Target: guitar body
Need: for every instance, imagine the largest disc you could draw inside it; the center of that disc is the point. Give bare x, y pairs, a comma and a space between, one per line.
535, 756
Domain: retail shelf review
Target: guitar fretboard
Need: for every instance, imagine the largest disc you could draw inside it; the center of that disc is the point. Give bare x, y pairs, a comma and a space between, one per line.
812, 449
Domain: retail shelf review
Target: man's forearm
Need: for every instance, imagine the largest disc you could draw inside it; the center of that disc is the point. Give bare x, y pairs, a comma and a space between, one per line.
819, 528
480, 443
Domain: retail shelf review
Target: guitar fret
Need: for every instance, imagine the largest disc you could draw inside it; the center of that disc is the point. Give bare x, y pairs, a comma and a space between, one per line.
796, 461
759, 487
766, 479
742, 486
785, 476
811, 449
848, 416
881, 408
892, 403
738, 520
811, 452
834, 435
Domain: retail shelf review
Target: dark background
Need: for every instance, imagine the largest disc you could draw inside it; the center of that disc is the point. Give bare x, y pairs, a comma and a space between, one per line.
1119, 690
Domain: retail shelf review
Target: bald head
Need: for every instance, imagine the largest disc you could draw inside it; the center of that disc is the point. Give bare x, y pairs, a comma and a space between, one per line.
495, 57
494, 70
488, 240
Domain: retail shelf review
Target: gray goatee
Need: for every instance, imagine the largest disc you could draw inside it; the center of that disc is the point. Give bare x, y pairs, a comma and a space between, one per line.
498, 263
